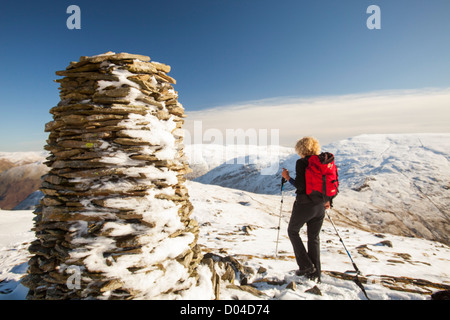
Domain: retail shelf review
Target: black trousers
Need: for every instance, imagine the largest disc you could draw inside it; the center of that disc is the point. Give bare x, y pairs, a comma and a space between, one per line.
312, 214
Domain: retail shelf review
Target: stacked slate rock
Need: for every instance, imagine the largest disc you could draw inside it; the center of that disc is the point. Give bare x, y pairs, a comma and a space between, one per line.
114, 222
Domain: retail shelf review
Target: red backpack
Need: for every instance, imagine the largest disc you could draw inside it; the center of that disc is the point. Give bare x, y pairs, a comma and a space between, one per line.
322, 175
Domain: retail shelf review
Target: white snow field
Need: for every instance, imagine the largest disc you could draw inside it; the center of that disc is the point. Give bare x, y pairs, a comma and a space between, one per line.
392, 214
243, 225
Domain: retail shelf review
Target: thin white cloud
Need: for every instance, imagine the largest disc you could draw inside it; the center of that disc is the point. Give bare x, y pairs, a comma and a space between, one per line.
330, 118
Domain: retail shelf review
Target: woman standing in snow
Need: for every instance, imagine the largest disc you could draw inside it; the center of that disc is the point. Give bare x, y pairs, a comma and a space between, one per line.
306, 209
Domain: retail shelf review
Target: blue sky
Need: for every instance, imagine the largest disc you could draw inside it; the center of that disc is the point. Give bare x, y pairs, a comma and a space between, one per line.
222, 52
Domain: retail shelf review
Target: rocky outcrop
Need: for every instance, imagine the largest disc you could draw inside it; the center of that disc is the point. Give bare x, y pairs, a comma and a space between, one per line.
114, 222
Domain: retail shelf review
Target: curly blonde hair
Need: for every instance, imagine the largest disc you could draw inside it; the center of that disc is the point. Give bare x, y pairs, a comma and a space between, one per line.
307, 146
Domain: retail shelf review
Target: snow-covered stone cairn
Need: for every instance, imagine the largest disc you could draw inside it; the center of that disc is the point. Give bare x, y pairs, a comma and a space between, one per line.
114, 222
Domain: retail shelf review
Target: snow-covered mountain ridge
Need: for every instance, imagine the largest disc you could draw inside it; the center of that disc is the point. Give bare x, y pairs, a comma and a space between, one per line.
398, 183
20, 175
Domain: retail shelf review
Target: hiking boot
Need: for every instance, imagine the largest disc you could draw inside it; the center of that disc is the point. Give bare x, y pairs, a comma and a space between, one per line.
305, 272
315, 276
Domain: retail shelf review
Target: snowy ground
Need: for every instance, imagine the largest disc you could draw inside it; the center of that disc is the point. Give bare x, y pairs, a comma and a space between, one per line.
15, 236
224, 216
243, 225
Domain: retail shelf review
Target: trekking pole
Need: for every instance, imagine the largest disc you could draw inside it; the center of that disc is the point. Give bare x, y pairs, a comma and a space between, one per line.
340, 239
358, 283
283, 181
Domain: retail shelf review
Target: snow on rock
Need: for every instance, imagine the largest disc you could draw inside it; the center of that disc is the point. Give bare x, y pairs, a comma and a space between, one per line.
114, 221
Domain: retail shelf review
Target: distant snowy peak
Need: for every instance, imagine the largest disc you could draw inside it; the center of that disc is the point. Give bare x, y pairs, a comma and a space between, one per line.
20, 158
414, 168
203, 158
357, 158
393, 153
255, 169
397, 183
20, 175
